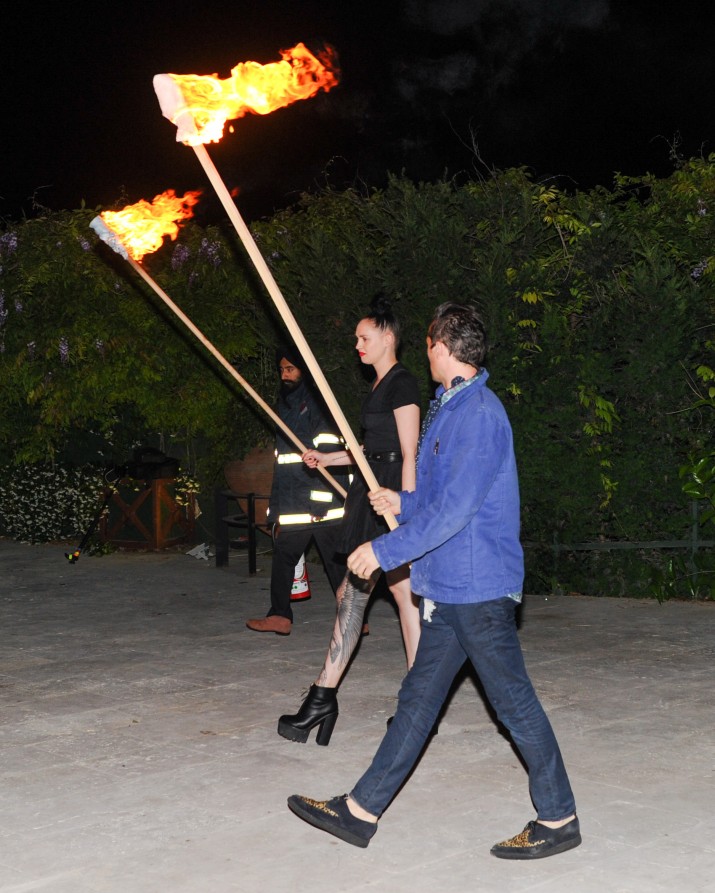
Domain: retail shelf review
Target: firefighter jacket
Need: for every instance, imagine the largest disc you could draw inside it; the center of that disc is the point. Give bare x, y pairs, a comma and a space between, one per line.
300, 496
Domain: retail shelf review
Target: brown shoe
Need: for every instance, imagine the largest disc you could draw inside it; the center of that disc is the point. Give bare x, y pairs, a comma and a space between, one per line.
281, 626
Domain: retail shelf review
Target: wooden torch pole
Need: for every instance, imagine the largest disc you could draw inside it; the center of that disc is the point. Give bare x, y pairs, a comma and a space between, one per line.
264, 272
229, 368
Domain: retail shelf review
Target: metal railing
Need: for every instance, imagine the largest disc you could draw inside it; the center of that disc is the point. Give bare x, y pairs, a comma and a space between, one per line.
692, 544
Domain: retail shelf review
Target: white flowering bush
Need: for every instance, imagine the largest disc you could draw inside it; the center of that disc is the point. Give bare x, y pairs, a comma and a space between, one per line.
186, 487
42, 503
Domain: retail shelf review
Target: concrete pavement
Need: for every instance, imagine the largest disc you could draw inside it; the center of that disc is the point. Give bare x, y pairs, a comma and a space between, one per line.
140, 755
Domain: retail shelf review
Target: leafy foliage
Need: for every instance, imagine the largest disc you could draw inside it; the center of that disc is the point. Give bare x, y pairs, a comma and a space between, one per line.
599, 307
94, 363
39, 503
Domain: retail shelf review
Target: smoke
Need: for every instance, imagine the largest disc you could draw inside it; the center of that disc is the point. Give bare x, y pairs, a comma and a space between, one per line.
449, 17
465, 42
447, 74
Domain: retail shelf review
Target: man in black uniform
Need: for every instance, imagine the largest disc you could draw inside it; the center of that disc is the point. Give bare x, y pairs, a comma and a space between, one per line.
303, 506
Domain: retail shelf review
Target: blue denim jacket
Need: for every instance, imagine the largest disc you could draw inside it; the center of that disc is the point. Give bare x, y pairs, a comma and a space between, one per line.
460, 527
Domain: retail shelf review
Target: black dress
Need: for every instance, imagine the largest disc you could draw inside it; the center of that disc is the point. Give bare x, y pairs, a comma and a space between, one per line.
360, 523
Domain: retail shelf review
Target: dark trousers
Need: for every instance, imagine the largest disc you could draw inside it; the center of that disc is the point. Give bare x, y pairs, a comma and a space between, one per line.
287, 549
485, 633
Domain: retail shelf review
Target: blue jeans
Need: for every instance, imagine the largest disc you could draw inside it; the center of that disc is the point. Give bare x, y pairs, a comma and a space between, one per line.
484, 632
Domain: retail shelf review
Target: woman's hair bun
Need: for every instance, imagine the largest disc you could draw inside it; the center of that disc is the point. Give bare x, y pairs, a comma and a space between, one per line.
381, 305
382, 316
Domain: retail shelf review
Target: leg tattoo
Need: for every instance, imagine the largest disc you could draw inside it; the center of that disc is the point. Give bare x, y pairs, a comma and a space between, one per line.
353, 596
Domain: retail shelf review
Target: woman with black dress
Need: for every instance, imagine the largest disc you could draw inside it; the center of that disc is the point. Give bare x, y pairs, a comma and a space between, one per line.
390, 420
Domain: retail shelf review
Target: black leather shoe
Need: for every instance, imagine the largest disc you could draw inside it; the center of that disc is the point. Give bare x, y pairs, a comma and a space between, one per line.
537, 841
320, 708
334, 817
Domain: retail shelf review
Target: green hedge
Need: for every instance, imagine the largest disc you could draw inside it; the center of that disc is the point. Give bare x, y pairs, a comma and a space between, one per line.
599, 307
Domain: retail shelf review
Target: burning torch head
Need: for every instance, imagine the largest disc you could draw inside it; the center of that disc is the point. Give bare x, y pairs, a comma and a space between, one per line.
140, 229
110, 238
200, 105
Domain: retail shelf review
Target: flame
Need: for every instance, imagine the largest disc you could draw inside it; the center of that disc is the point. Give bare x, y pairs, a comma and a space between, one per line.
208, 102
141, 227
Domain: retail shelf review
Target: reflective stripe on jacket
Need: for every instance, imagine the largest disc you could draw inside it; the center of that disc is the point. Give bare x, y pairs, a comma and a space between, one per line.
301, 495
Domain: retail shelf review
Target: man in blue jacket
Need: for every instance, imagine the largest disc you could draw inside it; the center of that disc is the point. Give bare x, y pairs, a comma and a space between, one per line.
460, 529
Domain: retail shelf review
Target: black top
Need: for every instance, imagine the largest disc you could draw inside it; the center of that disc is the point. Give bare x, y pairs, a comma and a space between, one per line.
398, 388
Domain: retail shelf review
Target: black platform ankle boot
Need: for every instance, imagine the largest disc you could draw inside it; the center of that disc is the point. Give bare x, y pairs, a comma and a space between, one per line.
319, 708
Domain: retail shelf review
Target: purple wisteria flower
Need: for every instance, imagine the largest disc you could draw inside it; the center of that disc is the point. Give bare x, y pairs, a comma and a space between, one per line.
64, 349
699, 269
702, 208
211, 251
84, 244
179, 256
8, 242
3, 312
31, 348
18, 306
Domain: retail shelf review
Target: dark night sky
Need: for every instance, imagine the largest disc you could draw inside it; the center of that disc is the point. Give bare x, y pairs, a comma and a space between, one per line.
575, 89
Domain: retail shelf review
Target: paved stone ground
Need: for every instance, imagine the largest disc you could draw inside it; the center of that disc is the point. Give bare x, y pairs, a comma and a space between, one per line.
140, 754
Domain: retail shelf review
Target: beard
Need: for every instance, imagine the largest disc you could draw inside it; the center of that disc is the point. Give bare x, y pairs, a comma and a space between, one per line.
287, 387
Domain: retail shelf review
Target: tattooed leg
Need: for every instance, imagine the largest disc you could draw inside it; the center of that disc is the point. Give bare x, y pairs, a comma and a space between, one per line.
353, 595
